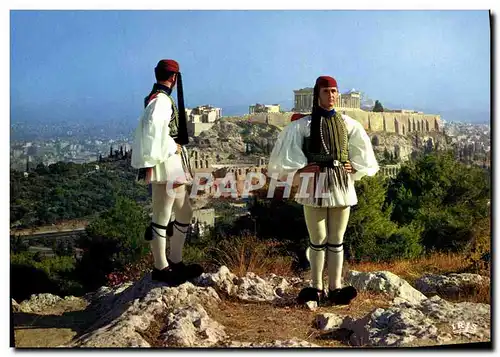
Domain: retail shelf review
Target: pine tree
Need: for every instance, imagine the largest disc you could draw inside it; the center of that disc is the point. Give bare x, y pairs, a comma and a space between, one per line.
443, 196
378, 107
371, 235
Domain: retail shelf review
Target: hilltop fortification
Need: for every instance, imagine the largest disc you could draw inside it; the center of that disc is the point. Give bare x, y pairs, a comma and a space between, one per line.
389, 122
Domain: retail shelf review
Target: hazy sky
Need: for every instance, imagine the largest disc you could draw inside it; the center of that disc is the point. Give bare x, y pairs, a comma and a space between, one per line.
84, 65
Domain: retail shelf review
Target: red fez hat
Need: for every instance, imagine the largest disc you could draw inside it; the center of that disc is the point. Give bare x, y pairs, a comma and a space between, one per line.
168, 65
325, 81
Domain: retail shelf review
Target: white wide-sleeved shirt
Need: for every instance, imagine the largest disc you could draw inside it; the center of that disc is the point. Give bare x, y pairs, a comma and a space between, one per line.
287, 157
152, 143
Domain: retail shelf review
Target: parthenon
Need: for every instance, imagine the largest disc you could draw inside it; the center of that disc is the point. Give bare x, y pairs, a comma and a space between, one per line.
304, 99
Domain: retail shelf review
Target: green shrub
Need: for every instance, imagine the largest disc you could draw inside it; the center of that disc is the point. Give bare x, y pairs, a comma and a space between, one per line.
31, 273
114, 239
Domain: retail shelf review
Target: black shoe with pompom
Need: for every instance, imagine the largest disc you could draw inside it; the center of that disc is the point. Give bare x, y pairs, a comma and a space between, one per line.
342, 296
186, 271
310, 294
167, 275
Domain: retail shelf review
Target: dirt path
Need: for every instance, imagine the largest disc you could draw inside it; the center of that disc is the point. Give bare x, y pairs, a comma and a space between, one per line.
264, 322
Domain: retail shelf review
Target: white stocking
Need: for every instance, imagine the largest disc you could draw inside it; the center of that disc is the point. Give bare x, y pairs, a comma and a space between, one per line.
183, 214
162, 209
315, 218
338, 217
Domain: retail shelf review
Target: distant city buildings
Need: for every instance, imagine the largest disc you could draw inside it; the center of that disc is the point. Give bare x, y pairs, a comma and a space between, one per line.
26, 156
33, 143
201, 118
471, 142
403, 111
264, 108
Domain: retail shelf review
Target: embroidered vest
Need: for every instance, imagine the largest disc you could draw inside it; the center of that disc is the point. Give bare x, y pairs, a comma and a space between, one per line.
334, 142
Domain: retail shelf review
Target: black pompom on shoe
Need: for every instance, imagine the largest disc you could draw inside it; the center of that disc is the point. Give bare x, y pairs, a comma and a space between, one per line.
310, 294
167, 275
342, 296
186, 271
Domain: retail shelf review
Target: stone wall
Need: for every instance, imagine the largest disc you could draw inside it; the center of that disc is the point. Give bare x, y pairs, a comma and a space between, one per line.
277, 119
399, 123
195, 129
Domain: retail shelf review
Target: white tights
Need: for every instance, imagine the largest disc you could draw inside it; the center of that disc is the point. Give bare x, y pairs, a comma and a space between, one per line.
319, 220
163, 205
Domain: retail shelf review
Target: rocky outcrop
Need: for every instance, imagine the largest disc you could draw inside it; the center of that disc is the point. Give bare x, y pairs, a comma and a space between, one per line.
192, 327
451, 285
433, 321
130, 308
312, 305
39, 303
384, 282
328, 321
128, 313
228, 139
248, 288
402, 146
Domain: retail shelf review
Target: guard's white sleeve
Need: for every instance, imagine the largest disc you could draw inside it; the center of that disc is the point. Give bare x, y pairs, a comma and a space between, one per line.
153, 143
361, 153
287, 155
